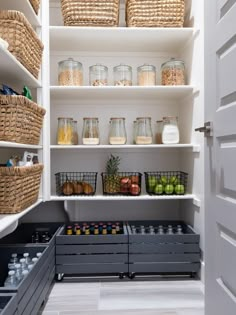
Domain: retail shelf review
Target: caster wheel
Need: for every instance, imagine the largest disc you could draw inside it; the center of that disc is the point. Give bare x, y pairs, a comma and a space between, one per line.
59, 277
121, 276
132, 275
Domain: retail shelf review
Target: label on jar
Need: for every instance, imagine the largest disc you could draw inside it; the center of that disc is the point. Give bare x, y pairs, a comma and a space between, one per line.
89, 141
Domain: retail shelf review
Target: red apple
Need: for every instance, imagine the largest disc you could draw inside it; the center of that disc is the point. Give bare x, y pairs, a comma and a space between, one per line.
125, 181
134, 189
134, 179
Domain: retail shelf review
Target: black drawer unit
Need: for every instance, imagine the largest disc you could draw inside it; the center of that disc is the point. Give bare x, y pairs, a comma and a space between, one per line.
8, 304
162, 253
92, 254
31, 289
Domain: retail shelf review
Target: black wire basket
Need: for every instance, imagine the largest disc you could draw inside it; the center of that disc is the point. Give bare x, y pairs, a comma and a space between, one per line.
122, 183
166, 183
76, 183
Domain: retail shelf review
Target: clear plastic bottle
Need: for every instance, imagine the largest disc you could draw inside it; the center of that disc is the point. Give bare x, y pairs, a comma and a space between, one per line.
122, 75
38, 255
18, 272
170, 133
90, 131
23, 264
24, 273
160, 230
30, 266
27, 258
34, 260
14, 258
11, 281
144, 131
179, 230
117, 134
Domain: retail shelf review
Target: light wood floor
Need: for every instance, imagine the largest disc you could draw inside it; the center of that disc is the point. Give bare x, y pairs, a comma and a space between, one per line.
126, 298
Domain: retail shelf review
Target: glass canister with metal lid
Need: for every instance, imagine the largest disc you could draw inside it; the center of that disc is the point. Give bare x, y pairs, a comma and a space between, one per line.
117, 134
98, 75
122, 75
90, 131
146, 75
70, 73
64, 131
173, 72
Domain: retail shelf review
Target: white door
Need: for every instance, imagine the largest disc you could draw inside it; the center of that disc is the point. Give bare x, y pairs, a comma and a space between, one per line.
220, 159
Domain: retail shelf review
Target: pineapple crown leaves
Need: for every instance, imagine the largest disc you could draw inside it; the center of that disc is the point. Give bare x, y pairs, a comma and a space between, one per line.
112, 165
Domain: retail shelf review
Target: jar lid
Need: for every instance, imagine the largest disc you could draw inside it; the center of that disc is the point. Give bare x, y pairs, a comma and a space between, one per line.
69, 118
143, 118
158, 121
112, 118
173, 62
96, 118
70, 61
98, 67
146, 67
122, 67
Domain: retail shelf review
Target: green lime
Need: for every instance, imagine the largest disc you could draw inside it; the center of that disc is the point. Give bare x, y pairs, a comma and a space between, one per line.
159, 189
179, 189
173, 180
169, 189
152, 182
164, 180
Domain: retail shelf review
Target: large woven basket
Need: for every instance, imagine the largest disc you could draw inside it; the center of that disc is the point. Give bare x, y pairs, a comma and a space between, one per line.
24, 43
155, 13
20, 119
19, 187
90, 12
35, 4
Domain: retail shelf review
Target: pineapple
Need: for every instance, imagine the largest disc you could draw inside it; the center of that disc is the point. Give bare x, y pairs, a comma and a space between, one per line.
112, 179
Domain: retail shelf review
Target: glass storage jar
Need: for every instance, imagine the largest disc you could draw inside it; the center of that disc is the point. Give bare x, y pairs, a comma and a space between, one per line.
144, 131
146, 75
75, 136
173, 72
117, 134
70, 72
64, 131
98, 75
170, 133
159, 128
122, 75
90, 131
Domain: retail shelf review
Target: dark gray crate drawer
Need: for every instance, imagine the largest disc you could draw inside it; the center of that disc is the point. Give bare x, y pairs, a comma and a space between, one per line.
92, 249
105, 268
164, 267
8, 304
61, 238
80, 259
23, 234
136, 258
163, 248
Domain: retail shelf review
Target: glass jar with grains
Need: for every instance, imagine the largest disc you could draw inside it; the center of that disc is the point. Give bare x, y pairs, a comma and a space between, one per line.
90, 131
143, 131
122, 75
173, 72
70, 73
64, 131
117, 134
146, 75
98, 75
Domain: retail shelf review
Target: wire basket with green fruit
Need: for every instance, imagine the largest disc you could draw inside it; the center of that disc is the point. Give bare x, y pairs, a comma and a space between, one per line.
166, 183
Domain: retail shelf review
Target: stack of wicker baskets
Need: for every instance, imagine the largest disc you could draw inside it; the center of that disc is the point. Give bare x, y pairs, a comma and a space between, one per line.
23, 41
19, 187
35, 4
90, 12
155, 13
20, 120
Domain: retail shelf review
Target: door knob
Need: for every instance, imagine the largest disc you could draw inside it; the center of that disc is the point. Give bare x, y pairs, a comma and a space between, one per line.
207, 129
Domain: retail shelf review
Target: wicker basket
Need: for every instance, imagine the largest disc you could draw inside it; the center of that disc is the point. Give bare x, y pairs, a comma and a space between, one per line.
35, 4
155, 13
20, 120
90, 12
23, 41
19, 187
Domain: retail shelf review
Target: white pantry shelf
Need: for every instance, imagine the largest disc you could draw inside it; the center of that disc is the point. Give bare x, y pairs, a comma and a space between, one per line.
76, 93
7, 220
129, 147
103, 39
123, 198
6, 144
23, 6
11, 70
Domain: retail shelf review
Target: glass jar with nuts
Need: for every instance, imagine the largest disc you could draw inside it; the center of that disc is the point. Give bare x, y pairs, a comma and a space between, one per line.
173, 72
122, 75
98, 75
70, 73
